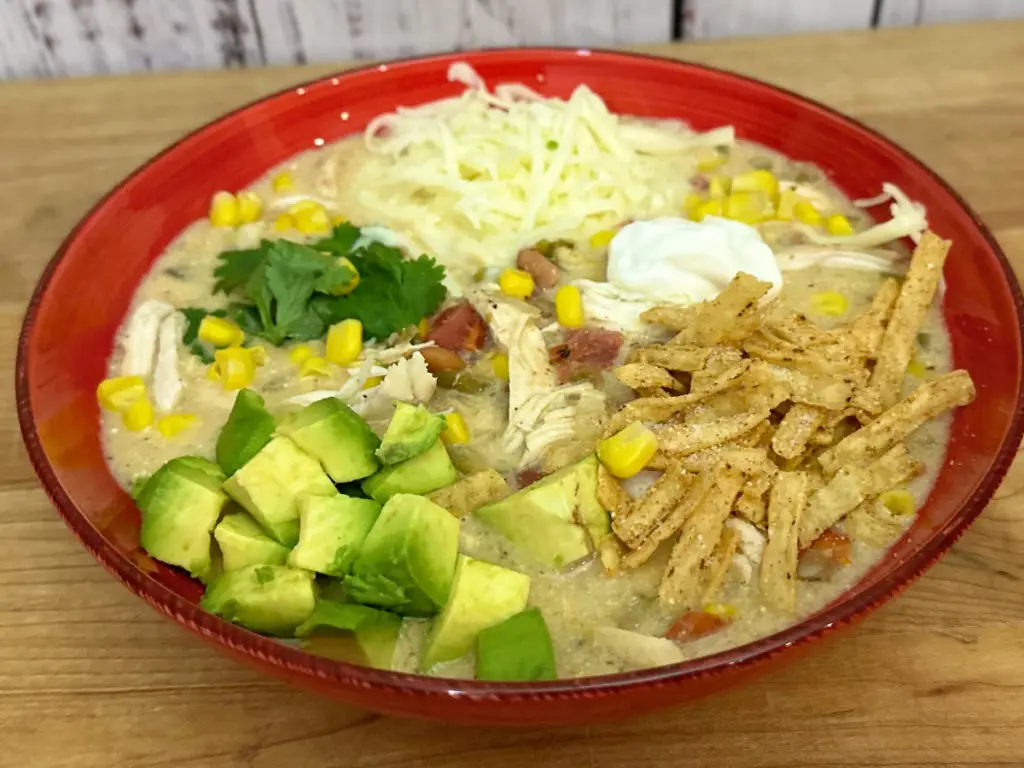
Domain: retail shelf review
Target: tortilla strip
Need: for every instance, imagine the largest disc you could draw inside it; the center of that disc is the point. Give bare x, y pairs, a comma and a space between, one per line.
681, 358
660, 461
672, 316
733, 310
897, 345
923, 404
685, 439
650, 509
830, 359
680, 587
786, 506
750, 504
610, 493
868, 328
798, 330
471, 492
872, 524
720, 360
796, 429
719, 563
851, 486
610, 553
825, 391
645, 376
749, 460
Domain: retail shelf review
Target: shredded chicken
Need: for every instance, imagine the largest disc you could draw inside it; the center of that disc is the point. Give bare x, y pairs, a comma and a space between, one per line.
166, 381
140, 339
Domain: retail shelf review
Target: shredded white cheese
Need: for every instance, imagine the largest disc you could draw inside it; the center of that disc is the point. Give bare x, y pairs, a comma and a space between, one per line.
909, 219
409, 380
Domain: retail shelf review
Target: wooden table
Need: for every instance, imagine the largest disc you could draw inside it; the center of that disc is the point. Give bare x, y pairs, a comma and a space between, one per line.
90, 676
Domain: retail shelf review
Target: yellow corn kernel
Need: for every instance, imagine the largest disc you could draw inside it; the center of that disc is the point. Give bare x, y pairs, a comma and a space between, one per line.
805, 212
721, 610
628, 451
347, 288
213, 372
748, 207
299, 353
830, 303
516, 283
220, 332
708, 208
283, 223
916, 369
283, 182
692, 202
838, 225
175, 424
119, 392
711, 160
899, 502
500, 365
602, 239
344, 341
423, 328
456, 430
236, 366
314, 366
224, 210
309, 217
569, 306
788, 199
250, 207
718, 187
138, 415
756, 181
372, 381
259, 355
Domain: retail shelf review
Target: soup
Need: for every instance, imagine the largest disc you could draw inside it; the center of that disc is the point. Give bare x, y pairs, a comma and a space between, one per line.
513, 388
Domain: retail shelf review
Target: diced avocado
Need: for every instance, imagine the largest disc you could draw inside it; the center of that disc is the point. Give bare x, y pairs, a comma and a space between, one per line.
331, 532
482, 595
353, 633
269, 485
412, 430
273, 599
242, 542
420, 474
138, 483
558, 519
249, 427
334, 434
408, 559
180, 505
518, 649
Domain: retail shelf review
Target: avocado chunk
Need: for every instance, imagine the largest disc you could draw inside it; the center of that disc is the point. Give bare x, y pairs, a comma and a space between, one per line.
242, 542
412, 430
518, 649
272, 599
331, 532
482, 595
334, 434
269, 485
557, 520
408, 560
353, 633
419, 475
249, 427
180, 505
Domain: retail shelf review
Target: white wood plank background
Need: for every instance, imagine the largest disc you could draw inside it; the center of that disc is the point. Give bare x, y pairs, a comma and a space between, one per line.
40, 38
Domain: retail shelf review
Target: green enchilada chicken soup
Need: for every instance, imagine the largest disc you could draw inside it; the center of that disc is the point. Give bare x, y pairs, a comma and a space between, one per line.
513, 388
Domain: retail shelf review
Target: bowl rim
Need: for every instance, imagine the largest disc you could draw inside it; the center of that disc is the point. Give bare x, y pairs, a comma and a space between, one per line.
269, 651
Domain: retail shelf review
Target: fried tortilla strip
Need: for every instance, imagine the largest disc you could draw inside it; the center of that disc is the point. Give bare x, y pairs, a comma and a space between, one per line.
650, 509
799, 331
719, 563
610, 493
471, 492
897, 345
730, 315
833, 359
679, 358
796, 429
872, 524
720, 360
923, 404
868, 328
750, 504
830, 392
681, 586
660, 461
646, 376
685, 439
750, 460
610, 553
786, 505
672, 316
851, 486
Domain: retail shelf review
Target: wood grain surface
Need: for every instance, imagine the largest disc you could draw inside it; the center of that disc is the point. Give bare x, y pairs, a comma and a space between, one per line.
90, 676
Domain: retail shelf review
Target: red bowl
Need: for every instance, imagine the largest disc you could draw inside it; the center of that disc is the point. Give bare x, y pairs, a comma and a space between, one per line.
86, 289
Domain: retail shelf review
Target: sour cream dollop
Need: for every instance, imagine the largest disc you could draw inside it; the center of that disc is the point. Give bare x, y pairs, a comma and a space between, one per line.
675, 261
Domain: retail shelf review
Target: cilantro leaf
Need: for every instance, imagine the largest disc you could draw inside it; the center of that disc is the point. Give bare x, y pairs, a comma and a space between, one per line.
190, 338
340, 241
236, 267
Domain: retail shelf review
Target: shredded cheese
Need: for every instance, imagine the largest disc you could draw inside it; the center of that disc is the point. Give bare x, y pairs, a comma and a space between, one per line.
909, 219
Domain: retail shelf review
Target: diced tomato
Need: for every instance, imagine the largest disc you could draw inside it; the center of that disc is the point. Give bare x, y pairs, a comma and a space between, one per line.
528, 477
585, 351
836, 544
439, 360
458, 328
544, 272
694, 624
827, 554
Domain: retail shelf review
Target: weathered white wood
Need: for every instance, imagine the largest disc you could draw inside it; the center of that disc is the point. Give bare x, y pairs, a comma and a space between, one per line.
730, 18
908, 12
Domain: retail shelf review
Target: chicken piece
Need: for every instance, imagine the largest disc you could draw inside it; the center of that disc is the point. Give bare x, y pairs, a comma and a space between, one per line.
166, 381
139, 340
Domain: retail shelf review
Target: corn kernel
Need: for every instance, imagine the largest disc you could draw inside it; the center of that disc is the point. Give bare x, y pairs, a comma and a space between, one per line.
456, 431
314, 366
829, 303
423, 328
236, 366
711, 160
805, 212
344, 341
499, 363
250, 207
899, 502
628, 451
916, 369
224, 210
220, 332
175, 424
569, 306
516, 283
721, 610
347, 288
838, 225
602, 239
692, 202
299, 353
259, 355
283, 223
748, 207
372, 381
312, 222
718, 187
213, 373
788, 200
283, 182
119, 392
138, 415
708, 208
759, 180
